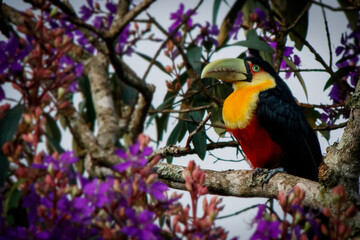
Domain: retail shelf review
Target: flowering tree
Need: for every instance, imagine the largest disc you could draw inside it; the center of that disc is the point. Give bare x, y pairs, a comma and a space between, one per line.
111, 185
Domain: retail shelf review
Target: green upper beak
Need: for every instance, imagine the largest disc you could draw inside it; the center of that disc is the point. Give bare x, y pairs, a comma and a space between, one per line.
228, 70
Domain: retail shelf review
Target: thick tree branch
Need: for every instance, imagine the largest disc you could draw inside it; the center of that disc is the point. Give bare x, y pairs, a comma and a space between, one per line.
239, 183
108, 129
120, 22
343, 158
139, 115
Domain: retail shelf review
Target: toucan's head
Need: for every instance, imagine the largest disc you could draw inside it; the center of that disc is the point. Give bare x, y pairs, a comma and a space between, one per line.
240, 72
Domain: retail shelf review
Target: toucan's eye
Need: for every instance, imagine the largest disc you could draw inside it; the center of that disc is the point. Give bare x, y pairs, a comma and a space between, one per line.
255, 68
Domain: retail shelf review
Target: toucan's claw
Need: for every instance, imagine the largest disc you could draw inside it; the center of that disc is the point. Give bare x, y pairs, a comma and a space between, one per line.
263, 175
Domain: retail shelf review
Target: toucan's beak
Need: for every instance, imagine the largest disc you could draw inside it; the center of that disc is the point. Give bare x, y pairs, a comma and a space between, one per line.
228, 70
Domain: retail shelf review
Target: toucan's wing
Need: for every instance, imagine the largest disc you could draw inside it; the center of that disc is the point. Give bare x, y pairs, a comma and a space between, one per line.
282, 118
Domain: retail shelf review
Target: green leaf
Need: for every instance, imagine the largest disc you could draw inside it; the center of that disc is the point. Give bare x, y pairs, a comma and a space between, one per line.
311, 115
325, 133
229, 21
294, 9
85, 87
52, 130
55, 143
4, 167
297, 74
10, 123
199, 140
174, 137
161, 125
8, 126
216, 8
194, 55
12, 198
175, 134
342, 72
352, 16
156, 63
252, 41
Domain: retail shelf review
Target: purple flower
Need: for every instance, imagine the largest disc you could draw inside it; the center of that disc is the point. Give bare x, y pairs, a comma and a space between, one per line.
79, 68
336, 94
288, 51
266, 230
141, 226
339, 50
111, 7
157, 190
260, 213
134, 158
297, 60
12, 55
179, 16
206, 34
87, 12
63, 164
31, 201
236, 26
99, 193
123, 45
73, 87
83, 41
260, 14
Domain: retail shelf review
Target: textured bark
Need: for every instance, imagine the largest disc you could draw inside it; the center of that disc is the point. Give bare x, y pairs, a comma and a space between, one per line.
177, 151
343, 158
239, 183
108, 129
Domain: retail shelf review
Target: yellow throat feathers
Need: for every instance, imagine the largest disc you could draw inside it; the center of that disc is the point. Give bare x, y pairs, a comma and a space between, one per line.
240, 105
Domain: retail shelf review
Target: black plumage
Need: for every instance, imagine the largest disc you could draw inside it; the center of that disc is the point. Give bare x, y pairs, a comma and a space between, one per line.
283, 119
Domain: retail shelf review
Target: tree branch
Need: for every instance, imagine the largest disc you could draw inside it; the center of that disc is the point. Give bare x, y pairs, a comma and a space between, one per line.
343, 158
177, 151
330, 127
120, 22
108, 129
303, 12
340, 9
198, 128
240, 183
316, 54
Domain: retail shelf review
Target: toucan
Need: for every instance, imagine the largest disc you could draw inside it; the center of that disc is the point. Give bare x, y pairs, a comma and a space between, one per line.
262, 114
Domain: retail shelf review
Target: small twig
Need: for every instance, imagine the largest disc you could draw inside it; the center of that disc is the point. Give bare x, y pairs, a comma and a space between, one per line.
322, 106
340, 9
198, 128
193, 109
87, 29
304, 70
330, 127
169, 37
223, 159
316, 54
238, 212
177, 151
327, 34
303, 12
